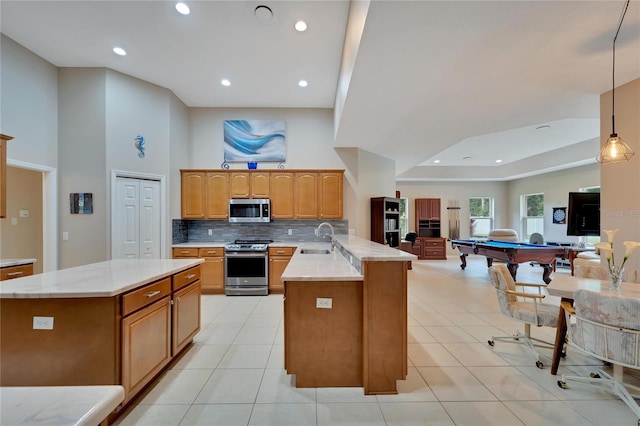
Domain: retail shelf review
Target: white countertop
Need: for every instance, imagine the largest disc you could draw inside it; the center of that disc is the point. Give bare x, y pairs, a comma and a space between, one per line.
58, 405
15, 262
335, 266
103, 279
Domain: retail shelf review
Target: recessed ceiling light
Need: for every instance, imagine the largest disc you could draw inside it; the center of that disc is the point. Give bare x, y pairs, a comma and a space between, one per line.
303, 83
436, 161
182, 8
498, 161
119, 51
543, 127
263, 13
225, 82
301, 26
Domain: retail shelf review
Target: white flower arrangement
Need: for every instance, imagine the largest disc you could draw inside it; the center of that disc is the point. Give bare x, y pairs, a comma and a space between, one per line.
615, 271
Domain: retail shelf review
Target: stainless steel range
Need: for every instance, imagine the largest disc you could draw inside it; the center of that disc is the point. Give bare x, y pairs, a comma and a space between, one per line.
247, 267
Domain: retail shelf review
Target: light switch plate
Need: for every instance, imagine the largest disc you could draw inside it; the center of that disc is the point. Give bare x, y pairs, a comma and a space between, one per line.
324, 303
24, 213
43, 323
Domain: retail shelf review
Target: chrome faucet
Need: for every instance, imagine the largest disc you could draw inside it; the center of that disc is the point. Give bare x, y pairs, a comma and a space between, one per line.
333, 241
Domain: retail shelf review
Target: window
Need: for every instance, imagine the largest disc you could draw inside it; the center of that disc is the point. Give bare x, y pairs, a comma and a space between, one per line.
532, 214
480, 216
404, 217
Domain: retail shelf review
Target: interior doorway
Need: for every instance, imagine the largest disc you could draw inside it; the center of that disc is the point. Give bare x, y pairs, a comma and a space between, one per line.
48, 190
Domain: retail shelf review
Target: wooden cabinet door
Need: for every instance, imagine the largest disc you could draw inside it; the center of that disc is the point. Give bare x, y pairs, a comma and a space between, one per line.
217, 186
281, 189
306, 195
213, 275
422, 209
279, 258
146, 345
186, 316
260, 185
330, 195
192, 195
433, 208
240, 185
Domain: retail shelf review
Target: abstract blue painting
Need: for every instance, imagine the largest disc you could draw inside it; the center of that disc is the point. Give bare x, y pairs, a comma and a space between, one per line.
254, 140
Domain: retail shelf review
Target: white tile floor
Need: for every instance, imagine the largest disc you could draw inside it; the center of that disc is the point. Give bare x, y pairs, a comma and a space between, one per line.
233, 374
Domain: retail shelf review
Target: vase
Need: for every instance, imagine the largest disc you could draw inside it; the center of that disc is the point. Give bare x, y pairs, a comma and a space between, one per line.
615, 276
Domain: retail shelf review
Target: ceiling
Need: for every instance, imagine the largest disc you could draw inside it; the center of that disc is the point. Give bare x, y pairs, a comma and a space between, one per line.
463, 82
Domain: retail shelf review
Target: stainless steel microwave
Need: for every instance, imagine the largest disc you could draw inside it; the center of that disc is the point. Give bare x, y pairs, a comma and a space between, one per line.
249, 210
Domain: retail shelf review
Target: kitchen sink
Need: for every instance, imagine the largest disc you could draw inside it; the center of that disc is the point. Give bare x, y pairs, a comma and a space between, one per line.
315, 251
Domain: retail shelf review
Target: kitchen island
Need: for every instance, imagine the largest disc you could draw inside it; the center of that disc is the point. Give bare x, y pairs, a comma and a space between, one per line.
117, 322
345, 315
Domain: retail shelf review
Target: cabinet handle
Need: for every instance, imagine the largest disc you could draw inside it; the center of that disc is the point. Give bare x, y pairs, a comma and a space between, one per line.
178, 298
211, 252
11, 274
190, 276
153, 293
184, 252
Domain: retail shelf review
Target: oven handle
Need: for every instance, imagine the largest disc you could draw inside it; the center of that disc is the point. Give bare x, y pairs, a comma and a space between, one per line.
246, 254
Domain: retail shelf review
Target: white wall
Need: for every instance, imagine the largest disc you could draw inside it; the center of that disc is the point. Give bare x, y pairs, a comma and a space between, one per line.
620, 194
28, 104
556, 187
82, 165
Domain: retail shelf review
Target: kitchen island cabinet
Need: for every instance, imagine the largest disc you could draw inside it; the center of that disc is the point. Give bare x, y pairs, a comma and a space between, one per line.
107, 323
345, 316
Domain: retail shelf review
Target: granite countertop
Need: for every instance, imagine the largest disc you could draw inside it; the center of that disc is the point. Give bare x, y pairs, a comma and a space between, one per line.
59, 405
103, 279
336, 266
15, 262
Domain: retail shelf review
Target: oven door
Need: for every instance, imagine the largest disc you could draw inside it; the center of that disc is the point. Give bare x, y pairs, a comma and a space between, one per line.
246, 273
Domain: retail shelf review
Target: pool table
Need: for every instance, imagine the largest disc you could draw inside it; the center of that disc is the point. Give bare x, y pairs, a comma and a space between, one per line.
512, 253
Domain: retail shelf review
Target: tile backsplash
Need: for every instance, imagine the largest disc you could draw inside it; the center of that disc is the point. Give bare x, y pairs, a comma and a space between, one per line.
189, 231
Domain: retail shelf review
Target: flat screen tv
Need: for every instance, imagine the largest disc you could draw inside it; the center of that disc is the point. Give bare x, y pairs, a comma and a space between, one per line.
583, 217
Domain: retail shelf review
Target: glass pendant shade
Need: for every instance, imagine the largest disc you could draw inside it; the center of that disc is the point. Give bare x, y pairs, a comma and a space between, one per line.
614, 151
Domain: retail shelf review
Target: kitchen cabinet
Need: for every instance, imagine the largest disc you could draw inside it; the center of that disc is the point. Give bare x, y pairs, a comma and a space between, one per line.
281, 188
295, 194
11, 272
212, 269
330, 195
3, 174
306, 195
146, 334
260, 185
185, 308
385, 221
192, 194
217, 195
240, 185
279, 258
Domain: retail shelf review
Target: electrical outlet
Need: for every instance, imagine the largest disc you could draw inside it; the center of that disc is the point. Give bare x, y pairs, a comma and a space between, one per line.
43, 323
14, 221
290, 232
210, 231
324, 302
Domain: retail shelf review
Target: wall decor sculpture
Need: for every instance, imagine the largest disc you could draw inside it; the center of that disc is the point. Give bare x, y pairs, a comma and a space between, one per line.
254, 140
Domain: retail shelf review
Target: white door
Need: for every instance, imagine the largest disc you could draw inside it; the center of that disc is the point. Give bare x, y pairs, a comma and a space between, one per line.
136, 223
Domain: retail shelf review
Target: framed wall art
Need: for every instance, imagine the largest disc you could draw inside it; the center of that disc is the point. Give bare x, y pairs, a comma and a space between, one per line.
81, 202
560, 215
254, 140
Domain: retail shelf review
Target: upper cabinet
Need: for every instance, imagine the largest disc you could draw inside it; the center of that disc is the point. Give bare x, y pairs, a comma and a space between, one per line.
3, 174
428, 208
330, 195
294, 194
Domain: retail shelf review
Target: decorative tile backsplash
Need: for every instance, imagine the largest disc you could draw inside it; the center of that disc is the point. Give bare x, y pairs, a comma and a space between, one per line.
189, 231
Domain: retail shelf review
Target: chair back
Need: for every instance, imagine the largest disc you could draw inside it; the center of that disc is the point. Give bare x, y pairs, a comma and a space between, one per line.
582, 270
536, 238
510, 235
411, 236
503, 281
608, 327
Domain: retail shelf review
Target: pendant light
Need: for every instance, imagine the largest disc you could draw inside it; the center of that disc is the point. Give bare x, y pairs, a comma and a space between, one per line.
615, 150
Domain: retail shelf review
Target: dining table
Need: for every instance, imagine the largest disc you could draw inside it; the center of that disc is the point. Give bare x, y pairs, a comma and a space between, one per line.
565, 286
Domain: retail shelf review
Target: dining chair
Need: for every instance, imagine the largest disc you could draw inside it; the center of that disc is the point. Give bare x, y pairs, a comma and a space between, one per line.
523, 306
607, 327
